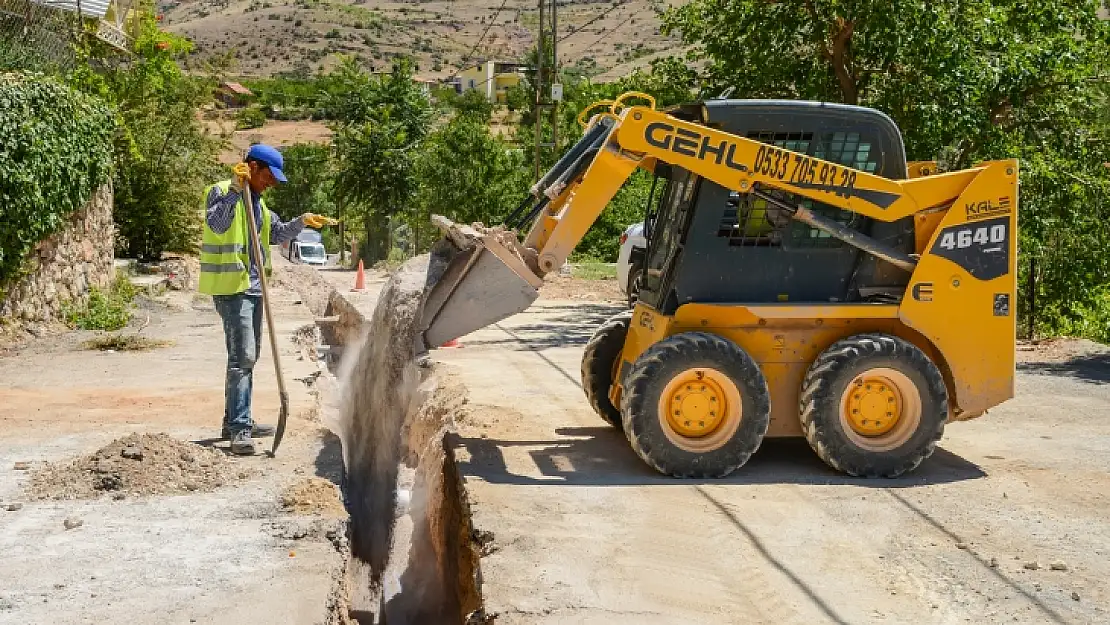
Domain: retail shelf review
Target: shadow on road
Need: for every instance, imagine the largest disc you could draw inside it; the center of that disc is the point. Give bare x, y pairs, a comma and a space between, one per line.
561, 326
1094, 368
600, 456
767, 555
329, 460
1049, 614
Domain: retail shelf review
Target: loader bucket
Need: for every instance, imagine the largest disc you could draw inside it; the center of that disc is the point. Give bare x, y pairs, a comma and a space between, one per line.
483, 283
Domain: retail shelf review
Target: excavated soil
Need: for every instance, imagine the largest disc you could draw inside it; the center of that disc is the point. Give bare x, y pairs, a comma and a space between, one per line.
405, 545
508, 239
313, 496
137, 464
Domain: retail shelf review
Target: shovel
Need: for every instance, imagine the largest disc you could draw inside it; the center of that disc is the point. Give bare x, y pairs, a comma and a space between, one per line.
283, 415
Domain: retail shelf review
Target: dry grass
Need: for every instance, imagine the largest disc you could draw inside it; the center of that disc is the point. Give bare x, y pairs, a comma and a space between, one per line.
275, 133
124, 343
271, 36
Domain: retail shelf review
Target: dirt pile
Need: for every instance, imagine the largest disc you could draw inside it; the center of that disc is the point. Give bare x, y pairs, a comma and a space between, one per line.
508, 239
137, 464
313, 496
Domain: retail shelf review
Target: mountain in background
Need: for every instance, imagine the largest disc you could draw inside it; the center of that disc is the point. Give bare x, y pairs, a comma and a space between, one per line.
267, 37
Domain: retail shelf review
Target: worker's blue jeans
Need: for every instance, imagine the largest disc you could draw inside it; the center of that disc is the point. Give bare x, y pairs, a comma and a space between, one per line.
242, 317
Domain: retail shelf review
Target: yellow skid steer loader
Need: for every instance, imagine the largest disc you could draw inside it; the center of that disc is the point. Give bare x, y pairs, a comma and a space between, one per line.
800, 279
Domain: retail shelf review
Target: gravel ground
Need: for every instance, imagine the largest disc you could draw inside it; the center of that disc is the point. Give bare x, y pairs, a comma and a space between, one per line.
1006, 523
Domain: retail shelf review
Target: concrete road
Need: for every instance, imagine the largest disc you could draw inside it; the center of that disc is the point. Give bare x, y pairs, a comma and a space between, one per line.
583, 532
224, 556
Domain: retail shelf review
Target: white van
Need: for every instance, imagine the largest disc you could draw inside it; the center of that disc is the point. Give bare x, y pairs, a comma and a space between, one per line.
306, 249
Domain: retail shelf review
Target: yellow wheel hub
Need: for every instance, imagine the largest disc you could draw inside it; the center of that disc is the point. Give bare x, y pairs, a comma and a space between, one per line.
874, 405
696, 403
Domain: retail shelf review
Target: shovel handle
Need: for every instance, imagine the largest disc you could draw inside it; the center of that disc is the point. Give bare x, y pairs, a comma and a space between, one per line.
259, 259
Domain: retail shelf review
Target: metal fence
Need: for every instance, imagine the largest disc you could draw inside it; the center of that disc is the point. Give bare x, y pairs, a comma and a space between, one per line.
36, 36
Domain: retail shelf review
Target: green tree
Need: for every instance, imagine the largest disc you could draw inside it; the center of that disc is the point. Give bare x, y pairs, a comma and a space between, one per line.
669, 81
966, 81
310, 170
382, 121
467, 175
471, 104
164, 158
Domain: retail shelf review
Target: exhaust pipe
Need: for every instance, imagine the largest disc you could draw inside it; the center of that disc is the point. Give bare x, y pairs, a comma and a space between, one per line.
484, 282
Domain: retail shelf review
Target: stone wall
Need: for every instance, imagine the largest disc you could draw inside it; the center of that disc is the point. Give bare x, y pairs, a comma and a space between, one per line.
64, 266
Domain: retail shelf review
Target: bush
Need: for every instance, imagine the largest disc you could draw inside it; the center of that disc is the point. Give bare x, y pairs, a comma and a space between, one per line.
164, 158
250, 117
55, 150
109, 310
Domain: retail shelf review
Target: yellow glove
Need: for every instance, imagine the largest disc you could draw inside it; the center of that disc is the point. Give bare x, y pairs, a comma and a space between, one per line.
313, 220
242, 173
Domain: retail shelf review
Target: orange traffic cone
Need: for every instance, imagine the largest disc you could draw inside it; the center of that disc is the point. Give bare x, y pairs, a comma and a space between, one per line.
360, 278
451, 343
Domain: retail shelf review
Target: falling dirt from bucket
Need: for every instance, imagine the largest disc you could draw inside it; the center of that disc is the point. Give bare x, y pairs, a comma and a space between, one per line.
392, 435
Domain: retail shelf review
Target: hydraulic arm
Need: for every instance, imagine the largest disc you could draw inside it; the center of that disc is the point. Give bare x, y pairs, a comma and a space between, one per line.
573, 194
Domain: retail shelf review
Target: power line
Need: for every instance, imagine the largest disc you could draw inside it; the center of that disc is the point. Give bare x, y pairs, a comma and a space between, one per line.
591, 21
466, 59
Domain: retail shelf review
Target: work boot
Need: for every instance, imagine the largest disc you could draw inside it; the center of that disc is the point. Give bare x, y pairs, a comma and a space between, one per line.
242, 445
258, 430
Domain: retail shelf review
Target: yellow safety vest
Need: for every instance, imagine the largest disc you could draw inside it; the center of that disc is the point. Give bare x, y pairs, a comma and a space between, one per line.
224, 260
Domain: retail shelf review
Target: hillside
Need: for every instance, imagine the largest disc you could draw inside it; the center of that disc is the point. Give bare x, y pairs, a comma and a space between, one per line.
272, 36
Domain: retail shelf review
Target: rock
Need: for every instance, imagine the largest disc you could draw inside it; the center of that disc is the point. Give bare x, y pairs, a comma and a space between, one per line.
104, 466
188, 456
1031, 566
118, 496
190, 486
22, 466
1058, 565
1037, 586
994, 563
72, 523
109, 482
133, 452
1074, 596
961, 545
14, 507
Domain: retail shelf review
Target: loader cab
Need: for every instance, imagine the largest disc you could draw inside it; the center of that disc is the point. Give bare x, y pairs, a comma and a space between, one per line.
708, 244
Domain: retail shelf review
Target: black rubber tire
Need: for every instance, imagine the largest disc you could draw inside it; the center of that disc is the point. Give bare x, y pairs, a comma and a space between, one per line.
649, 376
597, 365
824, 385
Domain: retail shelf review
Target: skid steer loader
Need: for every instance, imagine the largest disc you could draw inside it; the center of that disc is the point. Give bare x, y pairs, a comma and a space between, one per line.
800, 279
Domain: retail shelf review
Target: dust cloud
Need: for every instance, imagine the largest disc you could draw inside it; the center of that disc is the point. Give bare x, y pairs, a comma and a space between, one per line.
390, 439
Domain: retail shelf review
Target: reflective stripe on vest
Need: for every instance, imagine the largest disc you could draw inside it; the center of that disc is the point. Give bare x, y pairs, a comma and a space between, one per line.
223, 256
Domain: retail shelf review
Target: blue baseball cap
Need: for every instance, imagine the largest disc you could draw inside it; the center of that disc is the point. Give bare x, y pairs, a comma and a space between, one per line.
266, 154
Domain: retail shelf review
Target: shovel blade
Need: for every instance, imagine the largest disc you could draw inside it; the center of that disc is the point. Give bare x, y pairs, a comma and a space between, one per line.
484, 283
283, 417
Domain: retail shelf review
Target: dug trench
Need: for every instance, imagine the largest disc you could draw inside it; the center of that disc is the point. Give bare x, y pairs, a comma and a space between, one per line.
413, 557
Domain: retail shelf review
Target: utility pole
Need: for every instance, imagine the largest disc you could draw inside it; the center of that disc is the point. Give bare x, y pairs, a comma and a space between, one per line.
548, 91
555, 74
540, 51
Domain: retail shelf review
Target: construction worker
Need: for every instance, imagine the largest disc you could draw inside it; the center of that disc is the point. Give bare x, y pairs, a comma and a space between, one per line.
229, 273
